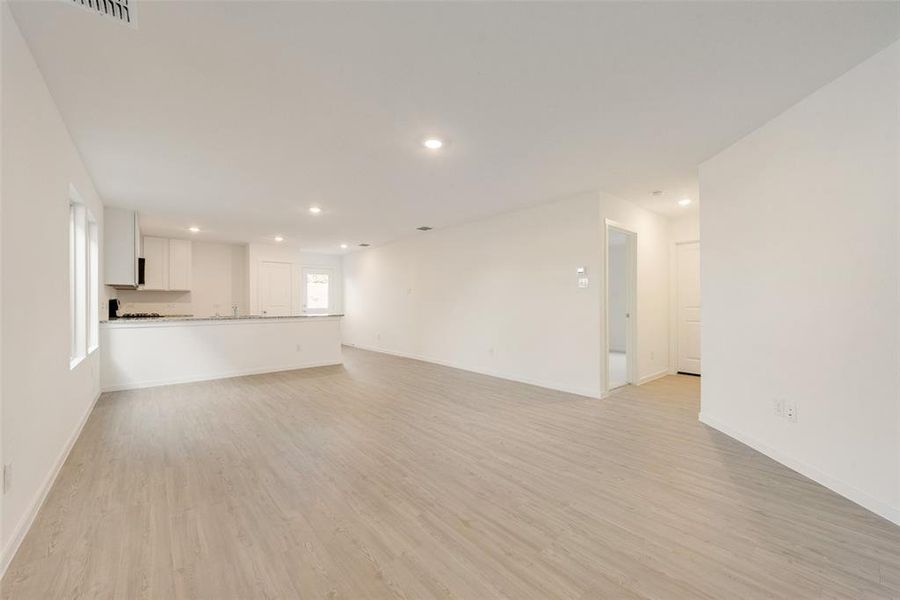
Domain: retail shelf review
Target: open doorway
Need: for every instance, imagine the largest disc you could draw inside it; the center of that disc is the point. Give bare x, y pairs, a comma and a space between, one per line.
621, 278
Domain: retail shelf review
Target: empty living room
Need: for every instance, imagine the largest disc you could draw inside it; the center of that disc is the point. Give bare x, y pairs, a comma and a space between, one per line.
449, 300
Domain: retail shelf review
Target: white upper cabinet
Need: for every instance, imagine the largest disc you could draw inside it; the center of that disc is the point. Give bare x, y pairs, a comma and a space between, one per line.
121, 247
180, 265
167, 264
156, 263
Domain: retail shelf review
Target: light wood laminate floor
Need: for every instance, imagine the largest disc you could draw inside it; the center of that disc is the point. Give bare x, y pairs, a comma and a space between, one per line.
391, 478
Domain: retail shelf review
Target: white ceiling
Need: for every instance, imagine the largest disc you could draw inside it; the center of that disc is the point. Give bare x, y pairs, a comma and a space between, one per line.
237, 116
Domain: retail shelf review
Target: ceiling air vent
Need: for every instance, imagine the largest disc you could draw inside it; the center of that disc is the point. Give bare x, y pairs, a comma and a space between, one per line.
364, 245
424, 228
121, 10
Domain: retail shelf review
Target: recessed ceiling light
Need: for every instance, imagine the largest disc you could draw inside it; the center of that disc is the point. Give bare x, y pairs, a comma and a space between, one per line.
315, 210
194, 229
433, 143
278, 238
343, 246
684, 202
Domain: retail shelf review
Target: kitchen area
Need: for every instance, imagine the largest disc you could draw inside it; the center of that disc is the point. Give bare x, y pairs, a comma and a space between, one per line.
185, 308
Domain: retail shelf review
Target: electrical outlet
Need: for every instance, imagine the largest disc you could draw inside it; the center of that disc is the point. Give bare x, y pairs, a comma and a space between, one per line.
790, 411
7, 477
299, 348
786, 409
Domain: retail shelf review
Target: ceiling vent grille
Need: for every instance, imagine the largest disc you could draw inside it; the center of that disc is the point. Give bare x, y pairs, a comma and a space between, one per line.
121, 10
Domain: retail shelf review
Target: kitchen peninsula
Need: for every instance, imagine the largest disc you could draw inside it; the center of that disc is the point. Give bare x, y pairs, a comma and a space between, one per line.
148, 352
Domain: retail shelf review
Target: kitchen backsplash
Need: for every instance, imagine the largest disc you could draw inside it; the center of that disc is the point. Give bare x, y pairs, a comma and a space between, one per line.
172, 303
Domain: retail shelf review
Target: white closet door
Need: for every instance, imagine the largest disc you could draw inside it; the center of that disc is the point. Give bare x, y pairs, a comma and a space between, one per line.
275, 288
689, 308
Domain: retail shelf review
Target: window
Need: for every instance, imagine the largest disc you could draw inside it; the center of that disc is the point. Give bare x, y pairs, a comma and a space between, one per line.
84, 280
93, 285
316, 290
77, 282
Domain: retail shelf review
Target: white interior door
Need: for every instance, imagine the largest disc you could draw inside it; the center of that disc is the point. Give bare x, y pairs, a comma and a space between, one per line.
275, 288
689, 308
317, 290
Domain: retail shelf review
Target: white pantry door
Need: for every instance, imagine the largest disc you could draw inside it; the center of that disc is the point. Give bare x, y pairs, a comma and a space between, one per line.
689, 308
275, 288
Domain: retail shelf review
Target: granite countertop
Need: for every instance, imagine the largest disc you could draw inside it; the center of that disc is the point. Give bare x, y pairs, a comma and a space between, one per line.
169, 319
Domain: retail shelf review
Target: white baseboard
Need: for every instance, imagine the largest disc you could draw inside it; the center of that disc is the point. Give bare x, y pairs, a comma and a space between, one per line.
135, 385
550, 385
882, 509
653, 376
24, 524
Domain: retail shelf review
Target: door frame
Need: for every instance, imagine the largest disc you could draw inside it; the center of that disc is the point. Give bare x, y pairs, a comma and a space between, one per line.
630, 302
331, 287
676, 321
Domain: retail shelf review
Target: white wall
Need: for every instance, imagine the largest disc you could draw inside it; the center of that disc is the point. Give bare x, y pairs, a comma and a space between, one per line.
685, 228
257, 253
44, 402
800, 285
499, 296
4, 14
219, 278
218, 281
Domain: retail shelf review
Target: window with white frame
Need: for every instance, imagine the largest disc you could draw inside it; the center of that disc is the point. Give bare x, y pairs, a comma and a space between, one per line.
93, 285
317, 290
84, 280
